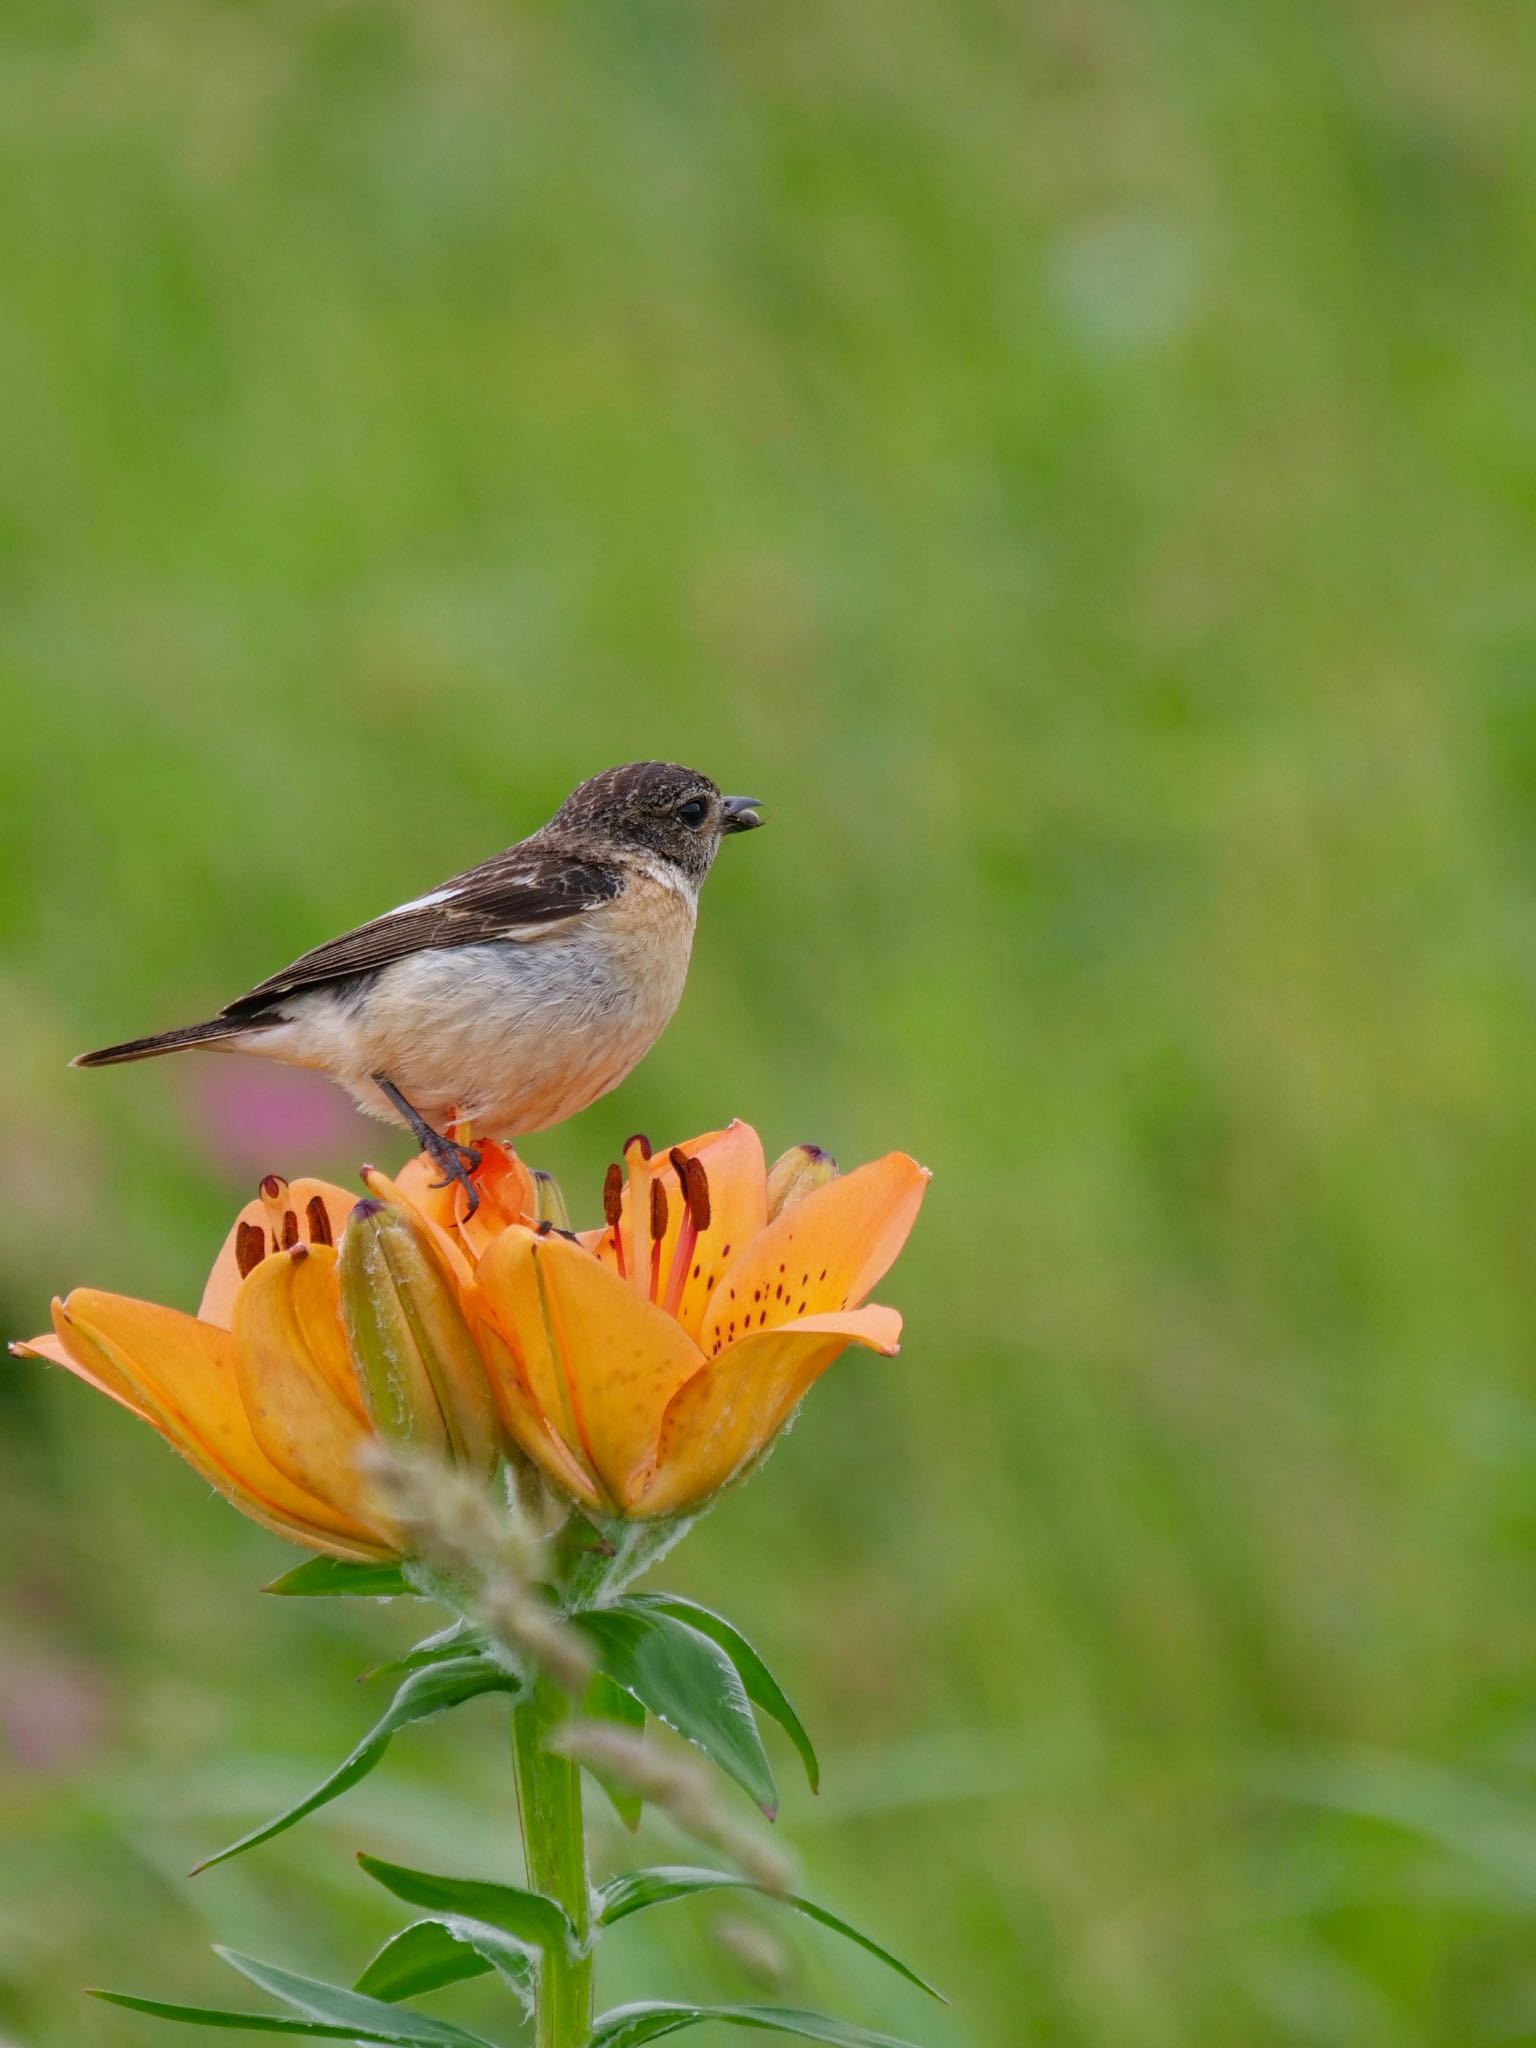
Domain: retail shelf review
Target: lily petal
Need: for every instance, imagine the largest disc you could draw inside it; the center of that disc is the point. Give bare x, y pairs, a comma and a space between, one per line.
296, 1378
733, 1409
97, 1373
524, 1421
821, 1255
601, 1362
284, 1213
686, 1263
183, 1373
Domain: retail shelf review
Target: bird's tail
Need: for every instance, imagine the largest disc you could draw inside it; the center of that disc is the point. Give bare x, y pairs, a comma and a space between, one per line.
165, 1041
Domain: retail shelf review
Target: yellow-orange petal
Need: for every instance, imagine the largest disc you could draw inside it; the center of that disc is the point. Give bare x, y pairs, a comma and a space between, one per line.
98, 1373
523, 1421
600, 1361
283, 1214
820, 1256
183, 1373
732, 1409
296, 1380
681, 1269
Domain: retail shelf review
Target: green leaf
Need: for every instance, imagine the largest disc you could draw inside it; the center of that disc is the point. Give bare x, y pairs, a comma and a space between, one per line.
687, 1681
606, 1701
328, 1577
335, 2005
459, 1639
247, 2022
628, 2026
763, 1689
423, 1694
636, 1889
422, 1957
527, 1916
331, 2013
432, 1953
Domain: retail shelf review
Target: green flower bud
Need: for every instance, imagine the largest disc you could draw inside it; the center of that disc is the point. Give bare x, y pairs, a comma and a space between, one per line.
420, 1371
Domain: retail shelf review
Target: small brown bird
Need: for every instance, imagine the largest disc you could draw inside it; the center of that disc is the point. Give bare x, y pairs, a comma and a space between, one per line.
513, 995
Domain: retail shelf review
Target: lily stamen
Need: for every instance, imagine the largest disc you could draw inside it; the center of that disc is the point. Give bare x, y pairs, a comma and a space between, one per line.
613, 1212
694, 1182
659, 1209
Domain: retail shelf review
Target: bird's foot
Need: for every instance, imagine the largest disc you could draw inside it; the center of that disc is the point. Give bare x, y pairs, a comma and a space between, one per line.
459, 1163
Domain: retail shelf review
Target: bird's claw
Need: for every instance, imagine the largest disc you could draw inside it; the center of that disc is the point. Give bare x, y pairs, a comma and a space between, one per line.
460, 1163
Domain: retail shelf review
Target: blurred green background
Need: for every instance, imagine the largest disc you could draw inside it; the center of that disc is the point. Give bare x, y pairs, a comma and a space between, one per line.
1076, 461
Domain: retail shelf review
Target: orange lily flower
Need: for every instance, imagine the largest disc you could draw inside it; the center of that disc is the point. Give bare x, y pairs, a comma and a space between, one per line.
645, 1364
640, 1366
257, 1390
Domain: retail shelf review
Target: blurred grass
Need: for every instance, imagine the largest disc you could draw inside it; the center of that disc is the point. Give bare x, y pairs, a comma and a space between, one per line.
1076, 462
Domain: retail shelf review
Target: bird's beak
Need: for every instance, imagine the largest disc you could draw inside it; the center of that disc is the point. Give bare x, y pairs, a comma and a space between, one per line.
741, 813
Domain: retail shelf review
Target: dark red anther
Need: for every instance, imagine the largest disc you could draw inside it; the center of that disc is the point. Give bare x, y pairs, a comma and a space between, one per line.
250, 1247
642, 1141
290, 1230
658, 1211
696, 1187
319, 1220
613, 1195
274, 1187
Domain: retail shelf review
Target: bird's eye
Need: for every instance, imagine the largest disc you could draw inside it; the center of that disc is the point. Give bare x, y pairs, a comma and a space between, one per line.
693, 813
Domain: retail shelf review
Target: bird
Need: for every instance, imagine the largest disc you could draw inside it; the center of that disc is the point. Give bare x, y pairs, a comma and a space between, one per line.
511, 996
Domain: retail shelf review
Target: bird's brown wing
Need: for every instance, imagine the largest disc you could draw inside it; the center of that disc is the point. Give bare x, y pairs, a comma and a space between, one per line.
523, 894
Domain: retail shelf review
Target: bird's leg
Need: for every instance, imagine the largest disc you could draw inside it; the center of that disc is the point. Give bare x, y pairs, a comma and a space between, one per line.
457, 1161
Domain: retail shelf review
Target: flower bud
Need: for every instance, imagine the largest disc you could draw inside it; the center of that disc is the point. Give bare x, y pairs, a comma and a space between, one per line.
420, 1372
549, 1202
802, 1170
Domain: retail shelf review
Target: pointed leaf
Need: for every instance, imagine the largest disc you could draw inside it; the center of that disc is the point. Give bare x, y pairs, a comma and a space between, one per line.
527, 1916
687, 1681
328, 1577
460, 1639
763, 1689
636, 1889
423, 1694
246, 2022
606, 1701
629, 2026
334, 2005
423, 1957
332, 2013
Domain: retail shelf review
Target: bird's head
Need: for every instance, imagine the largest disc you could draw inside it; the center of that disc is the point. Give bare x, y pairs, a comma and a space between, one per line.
673, 814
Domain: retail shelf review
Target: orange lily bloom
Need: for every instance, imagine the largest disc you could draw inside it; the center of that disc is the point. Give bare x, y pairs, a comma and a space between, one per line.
646, 1363
257, 1390
640, 1366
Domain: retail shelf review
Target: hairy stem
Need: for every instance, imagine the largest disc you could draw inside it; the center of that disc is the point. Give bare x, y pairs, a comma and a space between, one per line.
549, 1799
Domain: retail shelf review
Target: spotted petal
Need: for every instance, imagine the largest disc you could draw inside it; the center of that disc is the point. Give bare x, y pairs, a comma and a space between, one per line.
680, 1269
820, 1256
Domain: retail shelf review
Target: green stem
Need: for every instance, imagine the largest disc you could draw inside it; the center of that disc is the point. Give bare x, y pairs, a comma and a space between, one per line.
549, 1799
